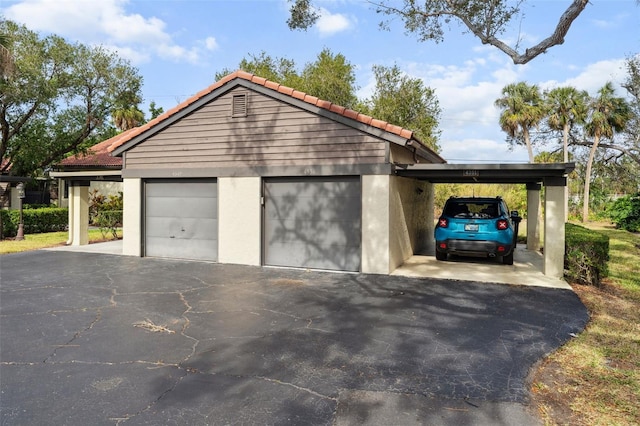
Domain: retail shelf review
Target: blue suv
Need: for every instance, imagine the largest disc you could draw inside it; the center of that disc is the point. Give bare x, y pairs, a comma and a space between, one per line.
477, 227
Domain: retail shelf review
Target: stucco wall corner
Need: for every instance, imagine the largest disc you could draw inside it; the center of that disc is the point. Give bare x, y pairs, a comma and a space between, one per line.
375, 224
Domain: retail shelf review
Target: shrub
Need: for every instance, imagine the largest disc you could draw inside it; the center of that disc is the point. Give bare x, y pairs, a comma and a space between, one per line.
108, 221
8, 228
35, 221
625, 213
586, 255
106, 212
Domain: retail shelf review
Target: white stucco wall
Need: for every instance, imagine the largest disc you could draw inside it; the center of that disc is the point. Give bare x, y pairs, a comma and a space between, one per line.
411, 215
554, 232
397, 221
375, 224
79, 216
239, 220
132, 217
533, 219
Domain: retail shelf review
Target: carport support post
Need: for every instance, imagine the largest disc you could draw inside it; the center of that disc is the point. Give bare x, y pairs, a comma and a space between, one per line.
132, 217
533, 214
554, 232
79, 226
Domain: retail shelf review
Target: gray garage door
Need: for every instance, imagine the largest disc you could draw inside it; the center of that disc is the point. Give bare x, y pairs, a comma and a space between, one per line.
181, 219
313, 223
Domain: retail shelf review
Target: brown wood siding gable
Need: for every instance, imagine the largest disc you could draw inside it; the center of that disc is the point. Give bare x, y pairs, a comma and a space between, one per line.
272, 133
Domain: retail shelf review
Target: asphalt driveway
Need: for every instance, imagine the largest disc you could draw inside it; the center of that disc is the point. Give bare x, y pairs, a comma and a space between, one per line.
100, 339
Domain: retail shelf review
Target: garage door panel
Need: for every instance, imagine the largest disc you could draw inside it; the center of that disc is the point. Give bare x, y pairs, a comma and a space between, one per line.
183, 249
175, 207
336, 232
343, 258
313, 210
181, 219
167, 227
313, 223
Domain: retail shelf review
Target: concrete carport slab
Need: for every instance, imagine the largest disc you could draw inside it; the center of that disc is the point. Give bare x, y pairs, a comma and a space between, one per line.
553, 176
526, 270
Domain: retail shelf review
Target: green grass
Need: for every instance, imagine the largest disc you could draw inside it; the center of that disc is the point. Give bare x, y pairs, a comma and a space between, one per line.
50, 239
595, 378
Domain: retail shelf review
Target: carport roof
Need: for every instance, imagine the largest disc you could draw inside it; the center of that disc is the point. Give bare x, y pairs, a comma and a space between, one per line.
546, 173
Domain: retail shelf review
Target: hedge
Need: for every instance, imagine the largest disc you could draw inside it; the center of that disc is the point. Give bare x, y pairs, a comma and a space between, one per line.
625, 213
36, 221
586, 255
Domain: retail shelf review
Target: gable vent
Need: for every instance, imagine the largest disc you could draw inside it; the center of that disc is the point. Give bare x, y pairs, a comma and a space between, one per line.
239, 105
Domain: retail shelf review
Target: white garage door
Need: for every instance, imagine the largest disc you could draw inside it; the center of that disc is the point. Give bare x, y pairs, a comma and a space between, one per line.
313, 223
181, 219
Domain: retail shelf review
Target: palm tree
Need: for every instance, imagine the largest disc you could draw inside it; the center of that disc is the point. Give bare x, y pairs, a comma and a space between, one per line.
566, 106
609, 115
127, 118
523, 109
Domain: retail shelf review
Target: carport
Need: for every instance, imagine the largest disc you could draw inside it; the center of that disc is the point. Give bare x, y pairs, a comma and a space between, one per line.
553, 176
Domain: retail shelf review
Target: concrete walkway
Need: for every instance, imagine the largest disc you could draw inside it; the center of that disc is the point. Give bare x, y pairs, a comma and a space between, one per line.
526, 269
109, 247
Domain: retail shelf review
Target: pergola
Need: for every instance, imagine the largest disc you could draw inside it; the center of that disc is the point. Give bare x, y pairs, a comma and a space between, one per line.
553, 176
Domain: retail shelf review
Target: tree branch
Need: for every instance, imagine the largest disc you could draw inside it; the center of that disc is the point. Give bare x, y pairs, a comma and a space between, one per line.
485, 35
634, 156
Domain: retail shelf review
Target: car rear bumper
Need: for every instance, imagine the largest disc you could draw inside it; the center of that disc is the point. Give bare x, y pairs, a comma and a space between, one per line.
476, 248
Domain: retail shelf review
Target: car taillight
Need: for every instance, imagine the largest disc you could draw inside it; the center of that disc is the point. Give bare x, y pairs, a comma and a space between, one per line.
502, 224
443, 222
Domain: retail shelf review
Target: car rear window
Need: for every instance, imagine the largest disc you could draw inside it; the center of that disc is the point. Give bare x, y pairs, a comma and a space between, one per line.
480, 210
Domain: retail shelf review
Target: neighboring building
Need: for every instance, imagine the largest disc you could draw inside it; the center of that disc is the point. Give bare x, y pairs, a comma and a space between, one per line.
95, 161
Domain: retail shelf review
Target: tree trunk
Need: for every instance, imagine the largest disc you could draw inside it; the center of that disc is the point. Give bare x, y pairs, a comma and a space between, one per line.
587, 179
527, 141
565, 158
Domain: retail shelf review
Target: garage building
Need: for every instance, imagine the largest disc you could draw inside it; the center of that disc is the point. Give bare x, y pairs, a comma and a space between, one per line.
251, 172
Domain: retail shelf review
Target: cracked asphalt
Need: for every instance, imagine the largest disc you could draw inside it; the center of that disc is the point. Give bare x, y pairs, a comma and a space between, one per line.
108, 340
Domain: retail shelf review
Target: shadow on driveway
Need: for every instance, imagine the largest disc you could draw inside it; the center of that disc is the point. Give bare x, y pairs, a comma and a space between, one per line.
99, 339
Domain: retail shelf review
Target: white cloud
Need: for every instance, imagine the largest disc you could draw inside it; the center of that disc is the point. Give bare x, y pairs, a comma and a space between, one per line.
594, 76
107, 23
329, 24
211, 43
482, 151
469, 121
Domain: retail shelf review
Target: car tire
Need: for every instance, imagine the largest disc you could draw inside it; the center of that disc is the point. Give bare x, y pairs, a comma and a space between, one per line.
508, 259
441, 256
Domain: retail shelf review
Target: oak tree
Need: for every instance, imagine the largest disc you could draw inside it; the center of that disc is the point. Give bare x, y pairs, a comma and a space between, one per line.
59, 98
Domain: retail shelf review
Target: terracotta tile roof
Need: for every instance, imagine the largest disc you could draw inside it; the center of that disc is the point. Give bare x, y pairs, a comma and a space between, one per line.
353, 115
98, 155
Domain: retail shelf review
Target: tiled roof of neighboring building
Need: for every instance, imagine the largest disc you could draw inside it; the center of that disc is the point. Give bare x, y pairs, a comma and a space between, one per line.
348, 113
97, 156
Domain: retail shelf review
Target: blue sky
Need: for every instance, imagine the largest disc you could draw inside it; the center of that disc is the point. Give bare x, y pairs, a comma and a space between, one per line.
178, 46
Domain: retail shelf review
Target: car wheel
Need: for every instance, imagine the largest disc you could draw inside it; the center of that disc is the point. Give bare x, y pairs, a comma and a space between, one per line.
441, 256
508, 259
